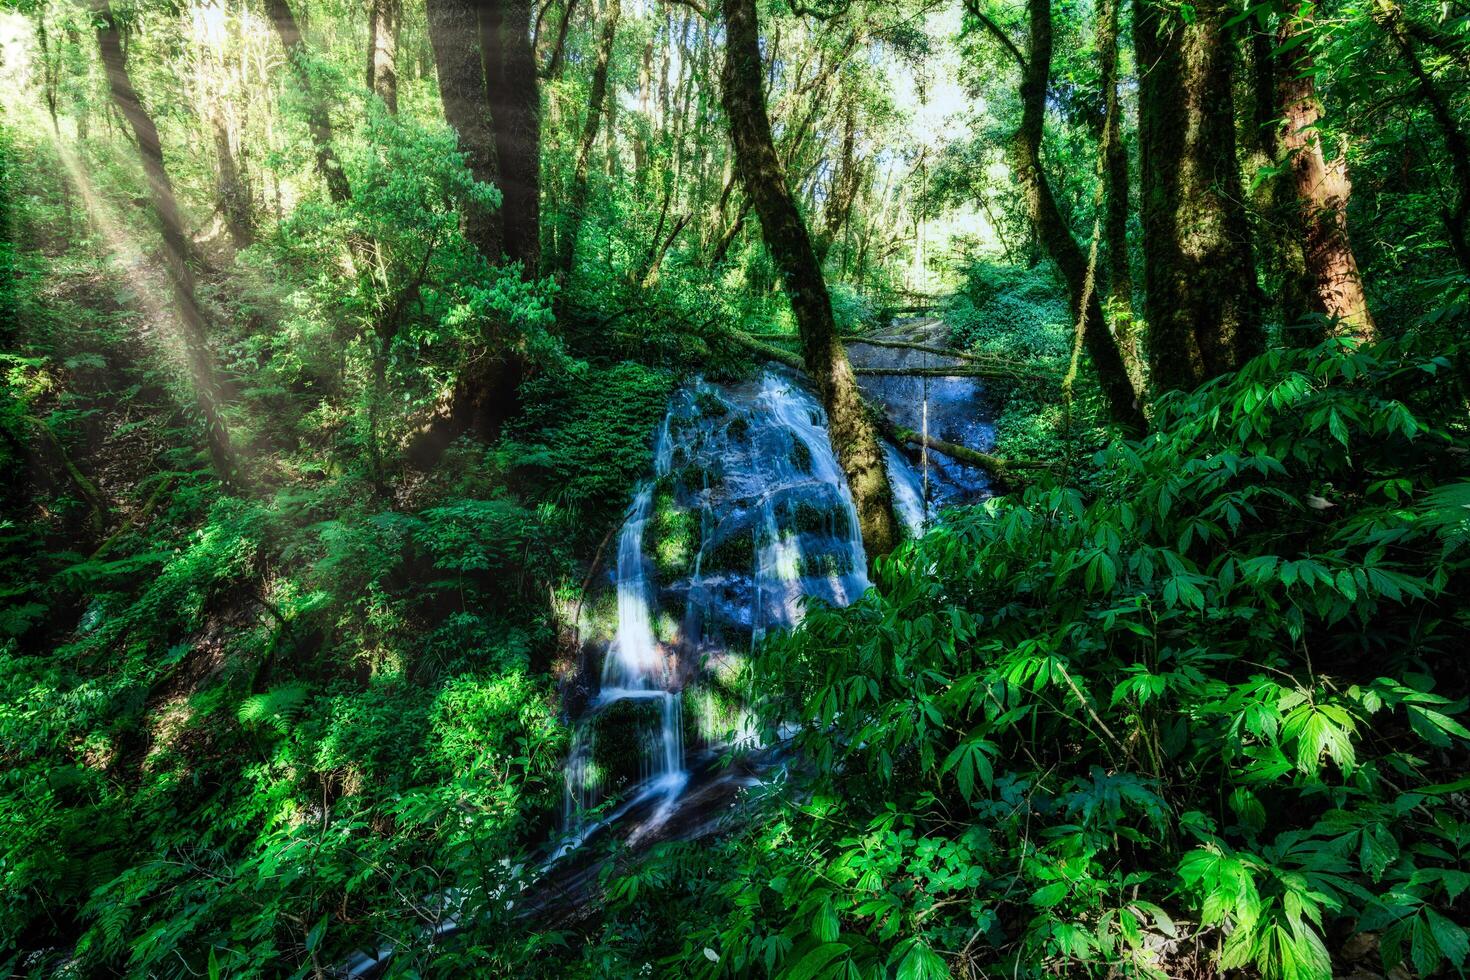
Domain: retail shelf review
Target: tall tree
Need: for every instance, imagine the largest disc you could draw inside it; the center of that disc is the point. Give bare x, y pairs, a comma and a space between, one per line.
515, 110
1322, 185
850, 427
175, 244
385, 17
1046, 217
454, 32
1115, 181
488, 81
1278, 224
1202, 302
596, 97
318, 119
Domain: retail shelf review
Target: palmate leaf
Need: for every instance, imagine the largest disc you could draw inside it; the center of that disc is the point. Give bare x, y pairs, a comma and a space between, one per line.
1318, 730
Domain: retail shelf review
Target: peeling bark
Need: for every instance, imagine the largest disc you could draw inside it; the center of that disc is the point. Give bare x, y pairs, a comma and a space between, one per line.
1322, 188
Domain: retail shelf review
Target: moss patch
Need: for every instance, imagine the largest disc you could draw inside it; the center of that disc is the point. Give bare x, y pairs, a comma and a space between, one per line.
800, 456
621, 733
734, 554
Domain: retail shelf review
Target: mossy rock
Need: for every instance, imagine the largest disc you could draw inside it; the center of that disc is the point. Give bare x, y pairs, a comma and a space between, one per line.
734, 554
828, 563
621, 735
696, 477
713, 711
710, 405
673, 536
738, 428
800, 456
805, 517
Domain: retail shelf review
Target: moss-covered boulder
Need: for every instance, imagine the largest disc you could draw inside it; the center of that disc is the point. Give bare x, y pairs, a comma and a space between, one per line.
622, 734
735, 553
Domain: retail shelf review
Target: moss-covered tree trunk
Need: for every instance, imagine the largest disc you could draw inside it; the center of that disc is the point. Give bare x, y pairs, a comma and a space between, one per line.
1202, 303
454, 33
384, 19
318, 119
1051, 227
1278, 229
175, 244
851, 430
1115, 218
1322, 187
514, 98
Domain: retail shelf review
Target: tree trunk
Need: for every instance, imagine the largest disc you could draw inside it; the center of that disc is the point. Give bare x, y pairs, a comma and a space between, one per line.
455, 35
175, 245
514, 99
384, 20
1322, 188
1115, 218
1199, 274
234, 197
577, 201
1278, 218
851, 430
1051, 227
318, 119
559, 47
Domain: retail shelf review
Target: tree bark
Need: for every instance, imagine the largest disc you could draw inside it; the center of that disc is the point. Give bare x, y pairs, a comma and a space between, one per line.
1322, 188
1279, 232
454, 33
577, 199
1051, 227
1202, 302
515, 110
851, 430
318, 119
384, 19
1115, 218
234, 197
175, 244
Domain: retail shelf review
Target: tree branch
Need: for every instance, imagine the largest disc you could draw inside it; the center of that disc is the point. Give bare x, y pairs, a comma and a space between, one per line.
973, 7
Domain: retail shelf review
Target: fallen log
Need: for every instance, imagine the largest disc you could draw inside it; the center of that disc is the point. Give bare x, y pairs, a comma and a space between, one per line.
999, 468
957, 371
938, 351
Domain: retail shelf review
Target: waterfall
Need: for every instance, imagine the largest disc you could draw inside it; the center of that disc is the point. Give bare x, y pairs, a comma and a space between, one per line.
748, 516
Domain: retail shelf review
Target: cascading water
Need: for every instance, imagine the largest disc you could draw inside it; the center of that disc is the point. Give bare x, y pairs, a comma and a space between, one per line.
747, 518
748, 515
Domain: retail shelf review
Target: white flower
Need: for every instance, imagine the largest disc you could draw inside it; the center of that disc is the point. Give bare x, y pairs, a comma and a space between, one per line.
711, 955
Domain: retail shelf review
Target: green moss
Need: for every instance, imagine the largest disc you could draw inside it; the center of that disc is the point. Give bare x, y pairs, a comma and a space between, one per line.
738, 428
673, 536
696, 477
734, 554
710, 404
800, 456
825, 563
620, 733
